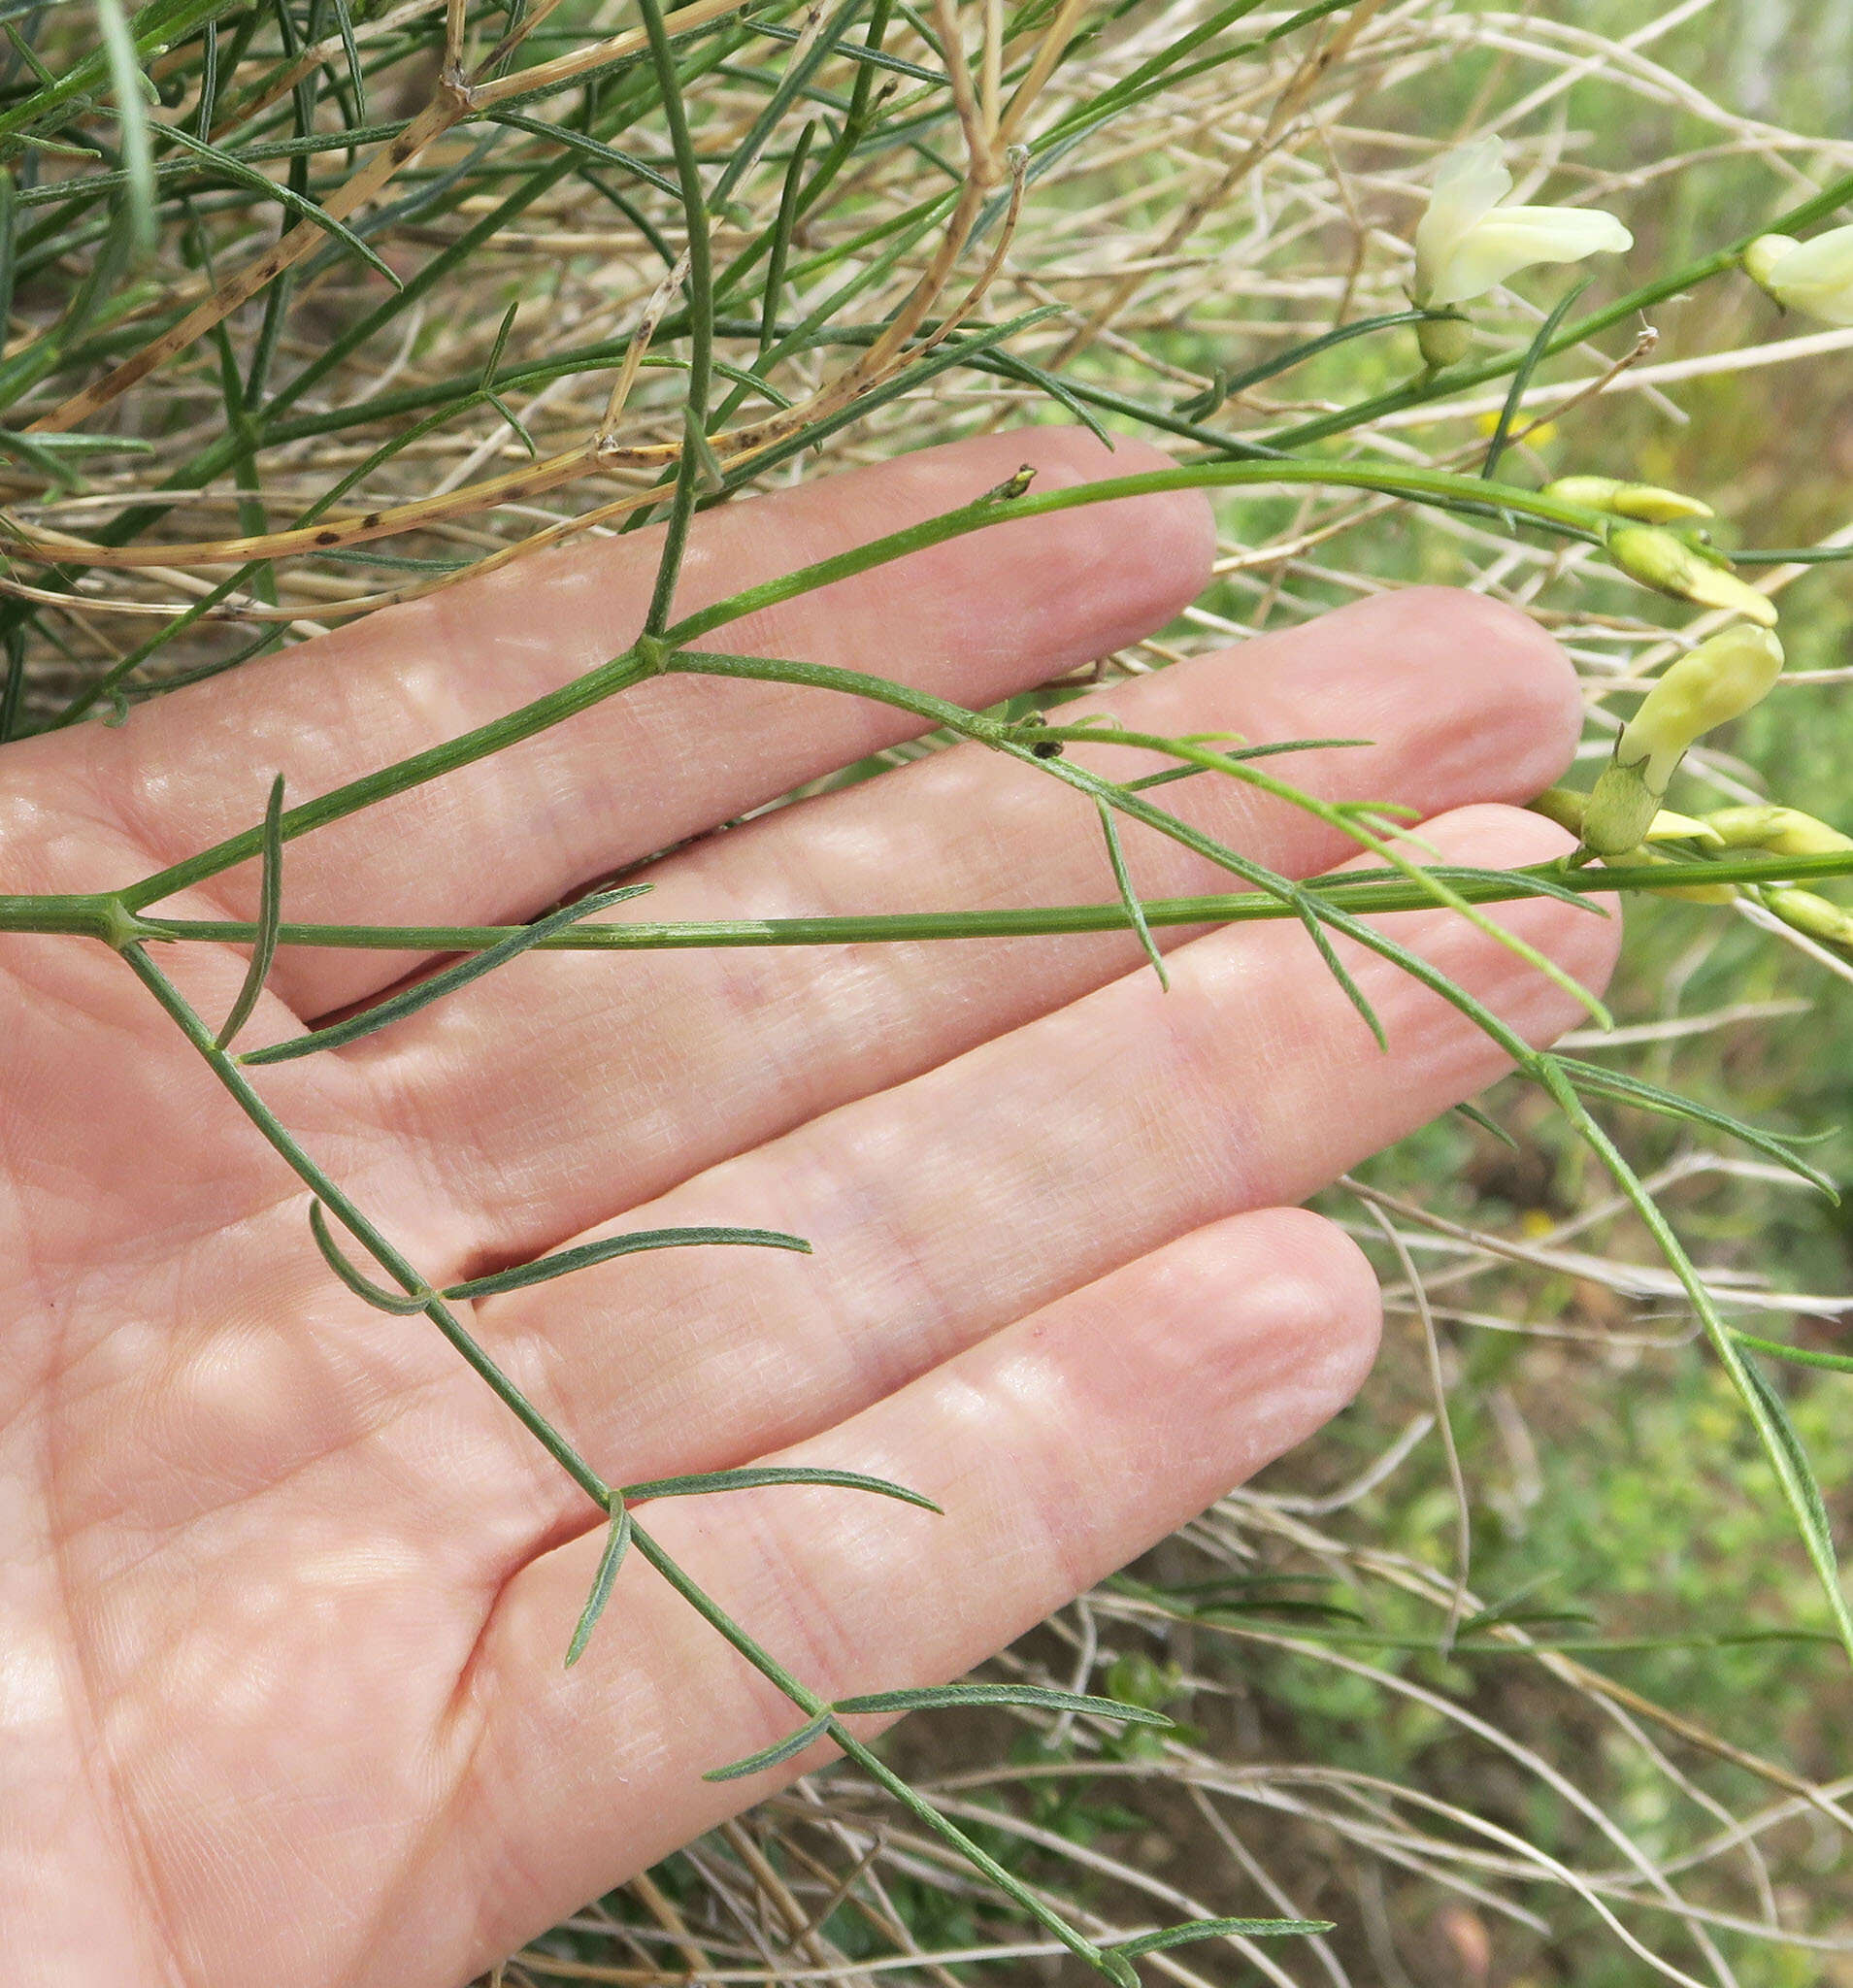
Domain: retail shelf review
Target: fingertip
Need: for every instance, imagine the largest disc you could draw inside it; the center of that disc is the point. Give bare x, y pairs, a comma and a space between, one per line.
1523, 671
1501, 706
1311, 1319
1264, 1325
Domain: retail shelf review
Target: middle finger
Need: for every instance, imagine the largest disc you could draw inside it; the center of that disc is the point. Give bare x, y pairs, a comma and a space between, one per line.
566, 1088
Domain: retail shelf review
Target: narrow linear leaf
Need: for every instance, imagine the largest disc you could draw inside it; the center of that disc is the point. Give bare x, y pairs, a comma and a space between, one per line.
1339, 971
1057, 390
564, 1261
492, 365
1775, 1432
783, 1749
14, 691
1810, 1506
401, 1303
937, 1697
1129, 897
861, 52
756, 1475
1298, 355
206, 108
1219, 1928
1535, 885
747, 150
779, 253
440, 984
356, 76
270, 916
1801, 1356
1240, 753
1522, 378
617, 1539
587, 146
1475, 1117
1621, 1087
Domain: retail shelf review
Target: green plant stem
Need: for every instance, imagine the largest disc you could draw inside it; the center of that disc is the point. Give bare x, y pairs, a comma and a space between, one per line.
1799, 1492
1425, 486
813, 1705
619, 673
1365, 892
284, 1142
646, 659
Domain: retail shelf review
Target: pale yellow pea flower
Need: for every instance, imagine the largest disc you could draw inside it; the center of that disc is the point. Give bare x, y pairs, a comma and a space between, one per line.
1813, 277
1468, 243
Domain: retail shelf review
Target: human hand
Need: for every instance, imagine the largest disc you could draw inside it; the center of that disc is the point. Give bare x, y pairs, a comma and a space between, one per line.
284, 1590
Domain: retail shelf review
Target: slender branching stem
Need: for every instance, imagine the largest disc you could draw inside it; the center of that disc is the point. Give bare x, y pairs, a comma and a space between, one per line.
225, 1068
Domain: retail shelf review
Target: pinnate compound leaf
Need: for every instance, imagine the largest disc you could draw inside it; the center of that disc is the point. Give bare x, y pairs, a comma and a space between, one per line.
617, 1539
938, 1697
586, 1255
771, 1756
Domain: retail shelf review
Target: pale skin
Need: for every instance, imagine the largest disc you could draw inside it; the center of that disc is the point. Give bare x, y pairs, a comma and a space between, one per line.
284, 1591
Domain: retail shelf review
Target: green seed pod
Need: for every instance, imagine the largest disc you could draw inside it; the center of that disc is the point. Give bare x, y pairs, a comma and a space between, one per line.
1646, 501
1657, 560
1782, 831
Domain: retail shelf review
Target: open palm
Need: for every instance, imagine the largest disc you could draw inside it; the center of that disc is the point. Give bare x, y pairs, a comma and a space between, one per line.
284, 1590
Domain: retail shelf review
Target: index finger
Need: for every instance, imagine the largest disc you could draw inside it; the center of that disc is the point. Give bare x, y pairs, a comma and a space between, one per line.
497, 841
